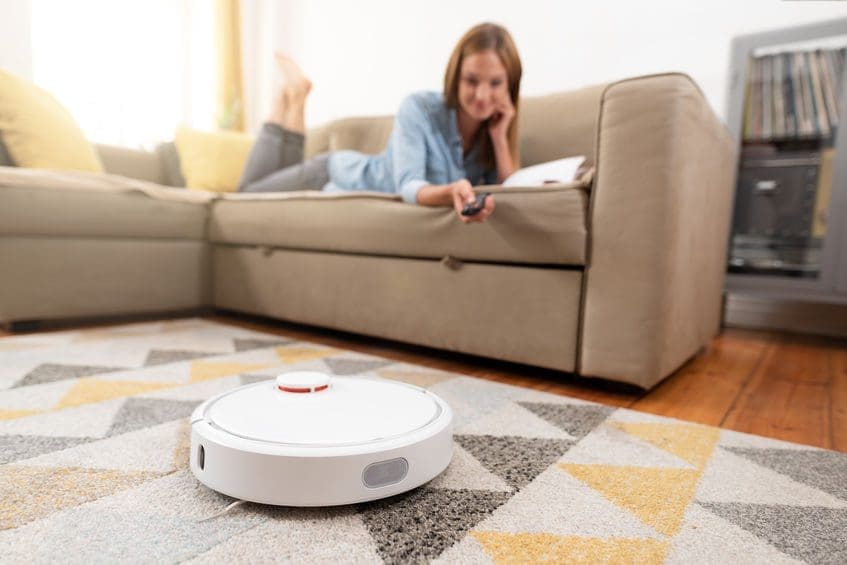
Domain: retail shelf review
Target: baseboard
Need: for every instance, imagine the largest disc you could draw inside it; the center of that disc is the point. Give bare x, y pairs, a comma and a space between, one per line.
744, 311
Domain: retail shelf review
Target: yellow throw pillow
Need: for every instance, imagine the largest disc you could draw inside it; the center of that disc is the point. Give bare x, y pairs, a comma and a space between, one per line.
212, 160
39, 132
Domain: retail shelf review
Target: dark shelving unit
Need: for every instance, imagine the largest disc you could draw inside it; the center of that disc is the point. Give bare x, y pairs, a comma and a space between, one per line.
786, 100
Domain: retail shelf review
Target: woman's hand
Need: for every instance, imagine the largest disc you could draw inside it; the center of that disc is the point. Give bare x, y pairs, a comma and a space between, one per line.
498, 124
463, 194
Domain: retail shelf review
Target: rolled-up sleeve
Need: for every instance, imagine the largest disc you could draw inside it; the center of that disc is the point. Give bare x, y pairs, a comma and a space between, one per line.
409, 149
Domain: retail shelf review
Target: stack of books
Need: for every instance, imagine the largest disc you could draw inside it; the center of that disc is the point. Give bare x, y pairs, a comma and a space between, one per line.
793, 95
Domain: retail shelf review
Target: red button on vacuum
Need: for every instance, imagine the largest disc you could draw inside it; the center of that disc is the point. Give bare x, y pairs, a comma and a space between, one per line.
302, 382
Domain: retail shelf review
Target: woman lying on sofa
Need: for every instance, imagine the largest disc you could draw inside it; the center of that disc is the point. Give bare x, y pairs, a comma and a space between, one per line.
441, 144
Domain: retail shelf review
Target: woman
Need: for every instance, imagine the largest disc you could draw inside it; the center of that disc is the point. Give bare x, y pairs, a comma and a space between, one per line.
441, 144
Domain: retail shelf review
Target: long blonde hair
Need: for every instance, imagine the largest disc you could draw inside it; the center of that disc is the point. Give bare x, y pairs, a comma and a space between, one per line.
484, 37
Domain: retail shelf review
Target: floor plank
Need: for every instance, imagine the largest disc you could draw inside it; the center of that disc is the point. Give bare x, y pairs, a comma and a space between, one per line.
704, 389
838, 399
788, 397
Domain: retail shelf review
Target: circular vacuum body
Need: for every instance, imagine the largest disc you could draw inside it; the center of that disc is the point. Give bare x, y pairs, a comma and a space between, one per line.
308, 439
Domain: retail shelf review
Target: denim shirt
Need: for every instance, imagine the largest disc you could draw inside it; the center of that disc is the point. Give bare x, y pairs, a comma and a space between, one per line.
424, 148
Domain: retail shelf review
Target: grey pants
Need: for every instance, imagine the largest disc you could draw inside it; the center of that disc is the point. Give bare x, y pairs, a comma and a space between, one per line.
276, 163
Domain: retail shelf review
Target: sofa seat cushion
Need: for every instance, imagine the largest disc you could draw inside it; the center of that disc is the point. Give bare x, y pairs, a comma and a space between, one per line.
36, 202
543, 225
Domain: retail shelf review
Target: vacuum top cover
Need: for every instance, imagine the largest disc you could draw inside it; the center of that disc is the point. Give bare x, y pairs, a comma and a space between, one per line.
313, 409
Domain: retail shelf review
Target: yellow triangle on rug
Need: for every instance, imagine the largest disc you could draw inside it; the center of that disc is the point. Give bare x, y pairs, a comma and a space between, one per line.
12, 414
690, 443
657, 496
29, 493
296, 354
89, 389
549, 548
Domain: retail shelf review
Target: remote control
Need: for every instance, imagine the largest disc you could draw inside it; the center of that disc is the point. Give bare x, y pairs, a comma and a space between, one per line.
474, 207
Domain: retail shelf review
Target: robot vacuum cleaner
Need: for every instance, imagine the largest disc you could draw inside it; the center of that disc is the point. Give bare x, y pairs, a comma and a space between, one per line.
310, 439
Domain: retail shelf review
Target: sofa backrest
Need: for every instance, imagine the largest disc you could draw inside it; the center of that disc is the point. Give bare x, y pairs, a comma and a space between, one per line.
366, 134
551, 127
559, 125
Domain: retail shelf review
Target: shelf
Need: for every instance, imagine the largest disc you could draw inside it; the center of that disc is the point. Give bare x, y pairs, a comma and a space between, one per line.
789, 225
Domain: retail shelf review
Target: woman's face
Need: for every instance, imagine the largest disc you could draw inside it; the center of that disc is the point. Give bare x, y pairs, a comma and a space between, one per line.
482, 83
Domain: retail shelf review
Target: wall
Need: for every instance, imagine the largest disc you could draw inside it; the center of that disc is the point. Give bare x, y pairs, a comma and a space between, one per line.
365, 56
16, 51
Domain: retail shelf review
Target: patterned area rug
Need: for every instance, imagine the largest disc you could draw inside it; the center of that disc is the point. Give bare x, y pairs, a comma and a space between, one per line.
94, 452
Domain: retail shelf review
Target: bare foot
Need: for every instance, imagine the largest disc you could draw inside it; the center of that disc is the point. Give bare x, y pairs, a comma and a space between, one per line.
293, 79
289, 104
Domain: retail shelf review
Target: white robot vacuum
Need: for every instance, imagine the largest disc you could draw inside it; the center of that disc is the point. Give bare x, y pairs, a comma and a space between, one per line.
309, 439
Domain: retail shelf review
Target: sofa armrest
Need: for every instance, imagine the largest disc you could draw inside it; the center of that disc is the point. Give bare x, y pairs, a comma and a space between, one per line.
133, 163
658, 227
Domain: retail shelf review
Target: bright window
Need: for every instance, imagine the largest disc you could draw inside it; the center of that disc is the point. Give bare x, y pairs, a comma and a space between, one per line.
131, 71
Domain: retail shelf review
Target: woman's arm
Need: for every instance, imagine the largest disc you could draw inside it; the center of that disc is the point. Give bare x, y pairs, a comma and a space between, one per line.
498, 129
503, 156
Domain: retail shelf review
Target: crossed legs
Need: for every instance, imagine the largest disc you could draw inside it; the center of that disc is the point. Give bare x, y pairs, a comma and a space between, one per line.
276, 159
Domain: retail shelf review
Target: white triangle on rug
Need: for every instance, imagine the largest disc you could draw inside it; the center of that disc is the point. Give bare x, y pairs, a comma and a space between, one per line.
706, 538
513, 420
35, 397
14, 367
472, 398
158, 519
464, 412
114, 332
486, 396
305, 365
265, 356
609, 445
731, 438
730, 478
147, 449
465, 472
467, 551
51, 338
88, 420
197, 391
8, 347
557, 503
215, 345
99, 354
299, 535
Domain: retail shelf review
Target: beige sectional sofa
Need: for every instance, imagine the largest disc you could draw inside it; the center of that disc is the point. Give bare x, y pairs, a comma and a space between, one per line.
620, 278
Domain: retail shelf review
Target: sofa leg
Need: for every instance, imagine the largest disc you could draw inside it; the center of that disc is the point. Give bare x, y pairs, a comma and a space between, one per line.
724, 299
22, 326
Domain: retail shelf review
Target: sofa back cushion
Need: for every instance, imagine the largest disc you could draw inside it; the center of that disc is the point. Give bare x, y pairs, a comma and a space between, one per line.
366, 134
132, 163
559, 125
5, 158
551, 127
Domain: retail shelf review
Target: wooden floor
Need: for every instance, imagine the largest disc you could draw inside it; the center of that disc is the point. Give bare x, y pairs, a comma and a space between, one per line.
777, 385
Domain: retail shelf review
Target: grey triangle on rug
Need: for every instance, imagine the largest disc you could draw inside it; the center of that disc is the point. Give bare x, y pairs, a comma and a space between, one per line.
94, 468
